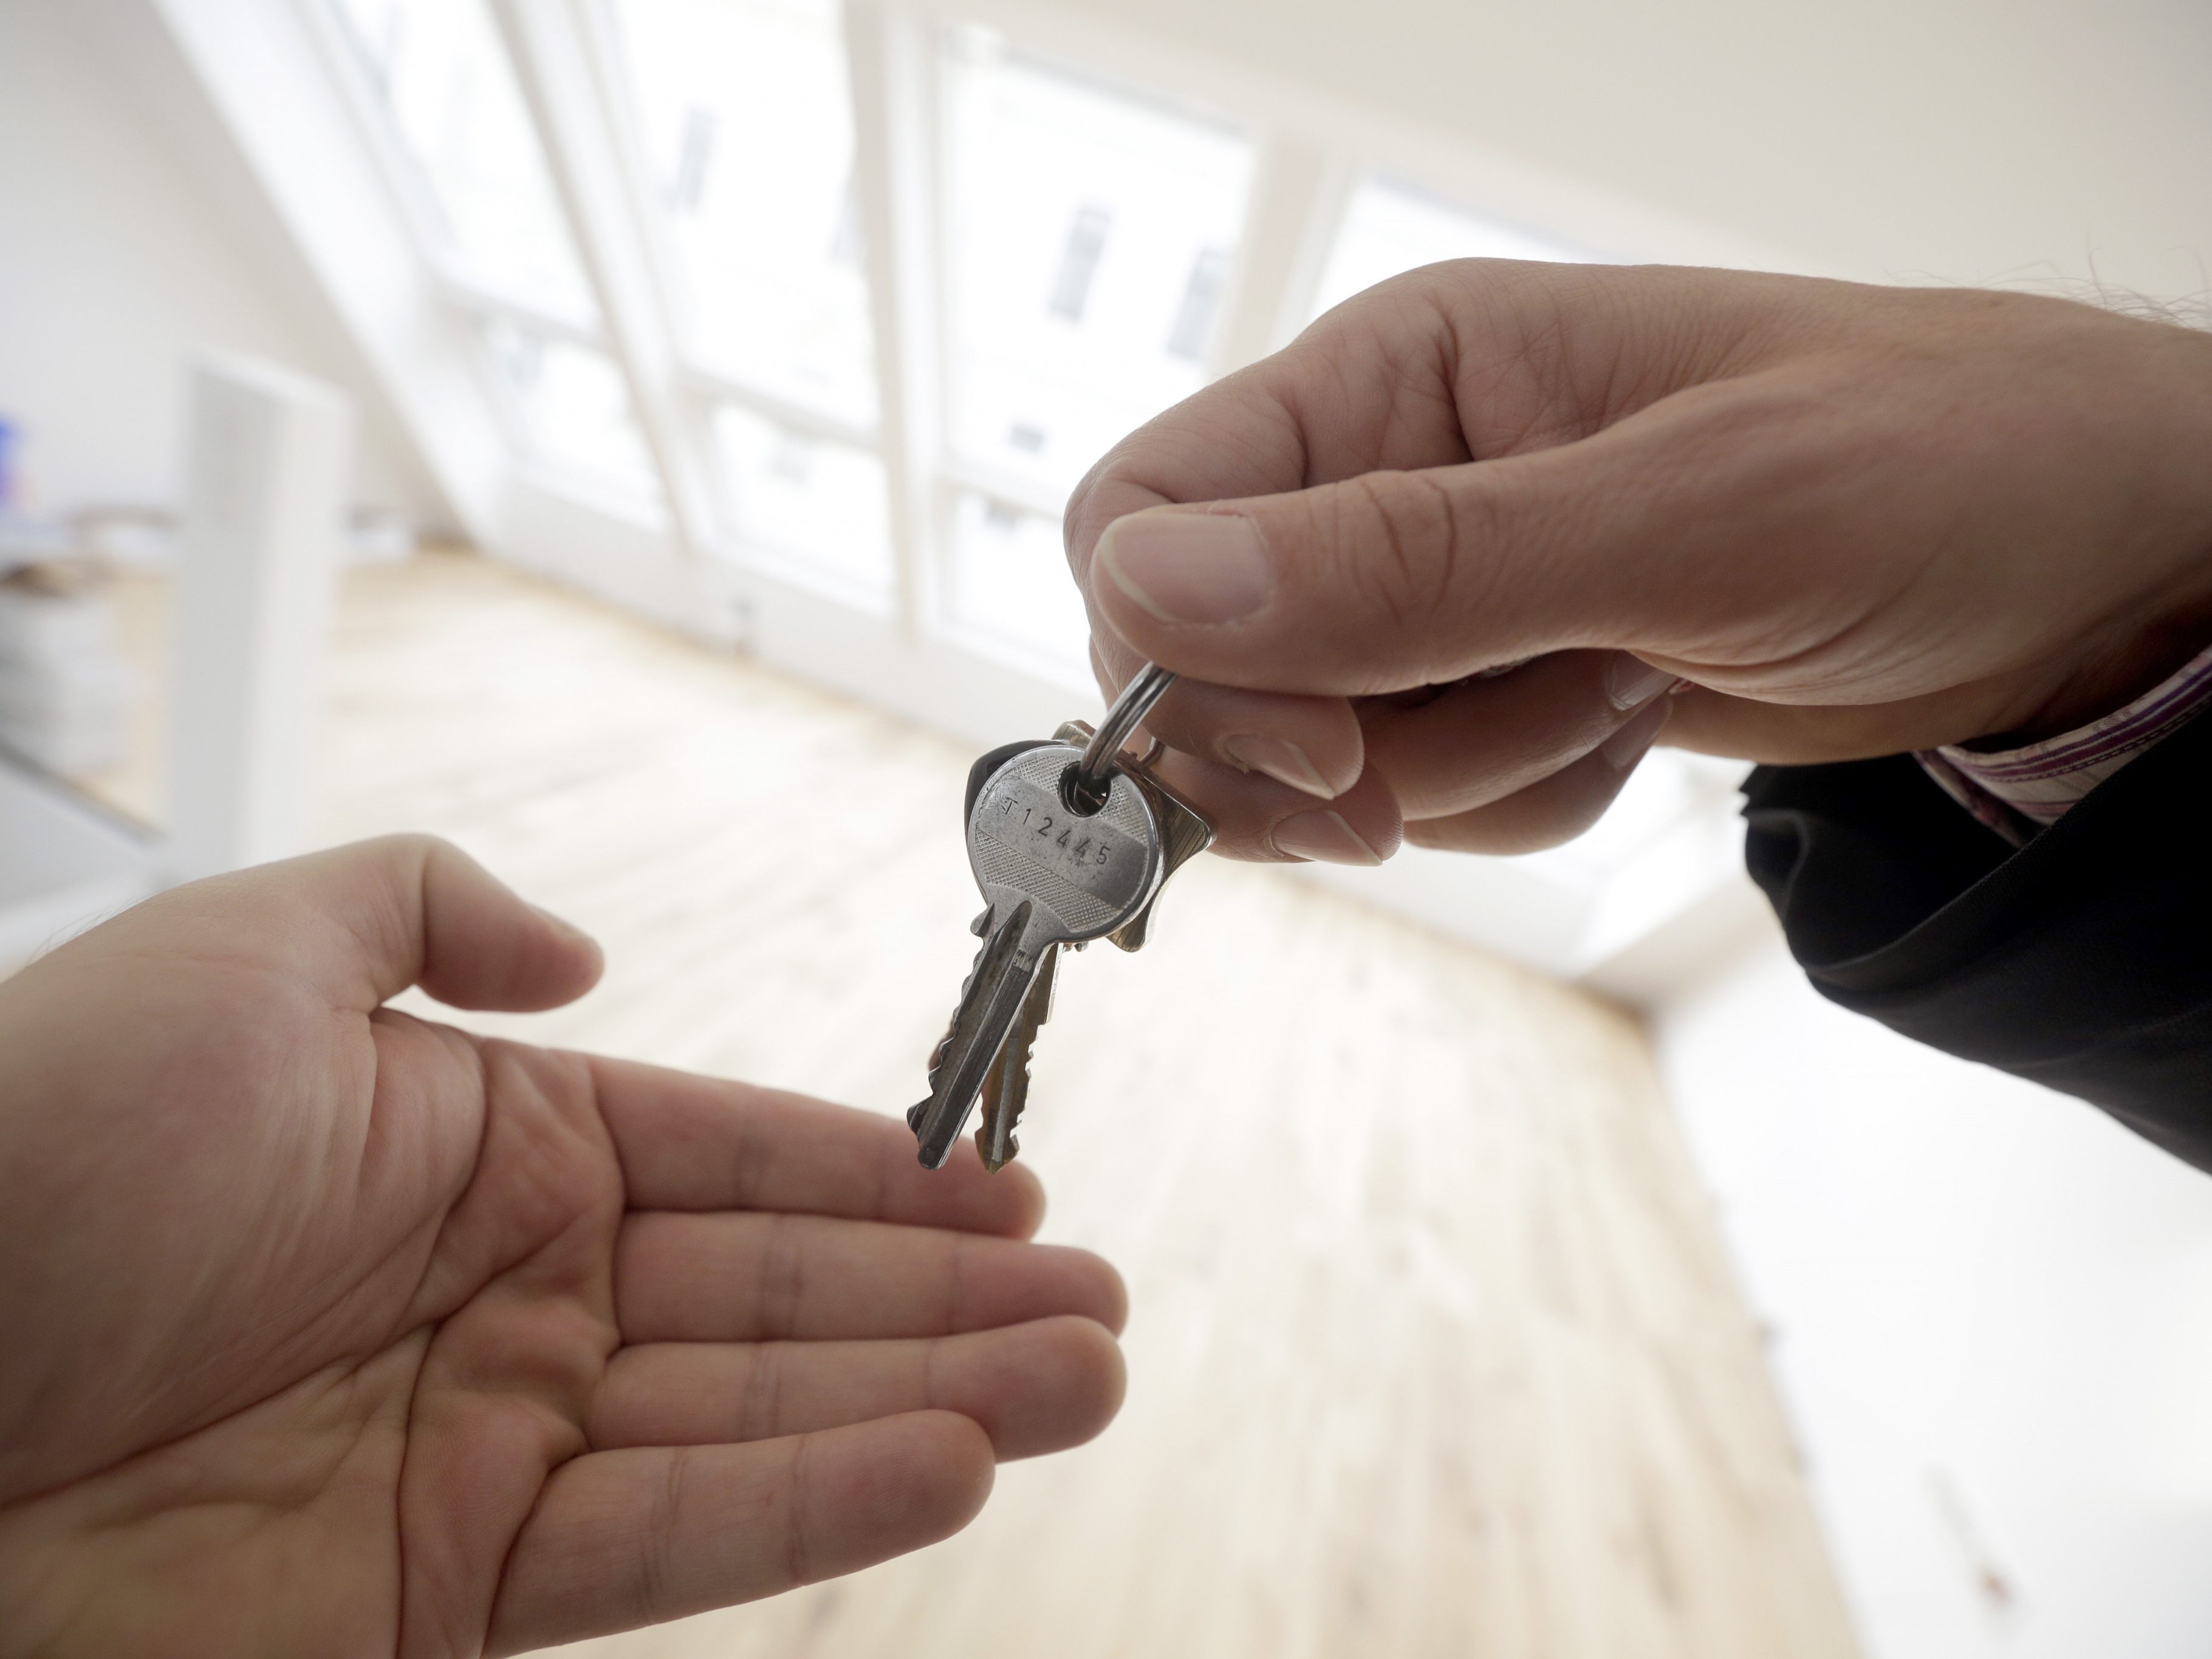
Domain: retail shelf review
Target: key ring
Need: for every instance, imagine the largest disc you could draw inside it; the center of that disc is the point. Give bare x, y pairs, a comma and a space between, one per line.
1088, 781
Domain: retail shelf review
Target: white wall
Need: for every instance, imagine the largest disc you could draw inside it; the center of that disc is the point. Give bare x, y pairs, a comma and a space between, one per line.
1958, 140
126, 243
1992, 1310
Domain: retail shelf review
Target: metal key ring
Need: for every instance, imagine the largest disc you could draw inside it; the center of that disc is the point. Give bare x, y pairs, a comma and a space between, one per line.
1090, 778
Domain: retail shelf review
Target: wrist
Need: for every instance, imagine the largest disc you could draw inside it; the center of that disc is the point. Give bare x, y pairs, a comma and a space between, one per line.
2165, 531
2110, 673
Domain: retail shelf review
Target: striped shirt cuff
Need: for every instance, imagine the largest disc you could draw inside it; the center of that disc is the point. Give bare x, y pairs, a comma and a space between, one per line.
2017, 791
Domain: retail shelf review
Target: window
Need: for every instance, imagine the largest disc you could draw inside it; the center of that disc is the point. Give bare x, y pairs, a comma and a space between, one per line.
443, 82
1009, 582
1389, 227
745, 127
1086, 232
474, 175
568, 405
820, 503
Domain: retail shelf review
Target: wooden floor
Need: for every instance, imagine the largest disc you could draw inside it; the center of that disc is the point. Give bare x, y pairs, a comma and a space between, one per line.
1433, 1350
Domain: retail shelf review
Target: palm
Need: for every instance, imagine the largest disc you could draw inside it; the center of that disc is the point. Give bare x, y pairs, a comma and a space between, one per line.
352, 1333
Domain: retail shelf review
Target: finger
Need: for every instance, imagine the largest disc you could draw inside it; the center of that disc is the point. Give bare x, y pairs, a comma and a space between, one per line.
693, 1143
1345, 459
623, 1539
1482, 740
1555, 809
1035, 1387
367, 921
1241, 799
1620, 540
1259, 820
1313, 744
1260, 796
1462, 361
1379, 584
742, 1277
1782, 734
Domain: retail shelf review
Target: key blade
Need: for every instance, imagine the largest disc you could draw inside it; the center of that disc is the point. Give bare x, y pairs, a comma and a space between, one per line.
989, 1006
1007, 1092
938, 1054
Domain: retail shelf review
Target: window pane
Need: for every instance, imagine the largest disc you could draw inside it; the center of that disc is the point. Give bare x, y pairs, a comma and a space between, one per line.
1391, 227
742, 109
444, 80
1089, 234
1009, 580
825, 505
1668, 785
571, 404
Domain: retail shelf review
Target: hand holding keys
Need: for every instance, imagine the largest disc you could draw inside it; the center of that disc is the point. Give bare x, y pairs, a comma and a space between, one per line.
1070, 840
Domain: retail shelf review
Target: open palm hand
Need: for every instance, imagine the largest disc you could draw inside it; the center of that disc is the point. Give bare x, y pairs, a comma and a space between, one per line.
332, 1330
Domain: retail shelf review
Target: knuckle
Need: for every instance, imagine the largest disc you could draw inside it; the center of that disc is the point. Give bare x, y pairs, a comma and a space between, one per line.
410, 847
760, 1397
1401, 544
782, 1293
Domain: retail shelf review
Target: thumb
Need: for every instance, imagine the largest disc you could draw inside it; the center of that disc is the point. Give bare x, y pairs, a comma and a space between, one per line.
366, 921
1379, 583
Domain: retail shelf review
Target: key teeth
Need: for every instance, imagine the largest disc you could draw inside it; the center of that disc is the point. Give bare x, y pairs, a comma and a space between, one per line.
937, 1054
938, 1124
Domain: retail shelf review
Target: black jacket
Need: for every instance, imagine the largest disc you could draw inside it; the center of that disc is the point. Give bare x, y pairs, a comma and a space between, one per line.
2083, 961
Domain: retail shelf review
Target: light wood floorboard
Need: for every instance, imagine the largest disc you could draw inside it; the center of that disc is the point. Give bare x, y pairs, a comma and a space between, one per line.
1434, 1351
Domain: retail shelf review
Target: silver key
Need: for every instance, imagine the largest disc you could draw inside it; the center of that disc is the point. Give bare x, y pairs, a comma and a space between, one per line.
1184, 834
1050, 876
1006, 1091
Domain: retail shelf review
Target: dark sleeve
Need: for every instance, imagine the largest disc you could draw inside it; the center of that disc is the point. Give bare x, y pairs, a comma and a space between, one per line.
2080, 961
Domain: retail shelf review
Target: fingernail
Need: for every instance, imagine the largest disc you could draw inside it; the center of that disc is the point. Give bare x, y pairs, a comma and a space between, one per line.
1323, 835
1630, 683
1203, 567
1285, 761
1626, 747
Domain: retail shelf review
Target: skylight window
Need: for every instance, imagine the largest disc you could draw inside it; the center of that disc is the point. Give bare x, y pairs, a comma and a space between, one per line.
1391, 227
450, 100
745, 124
1076, 216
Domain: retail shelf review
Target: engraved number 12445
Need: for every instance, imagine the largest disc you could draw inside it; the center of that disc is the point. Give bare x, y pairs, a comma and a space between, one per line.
1054, 837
